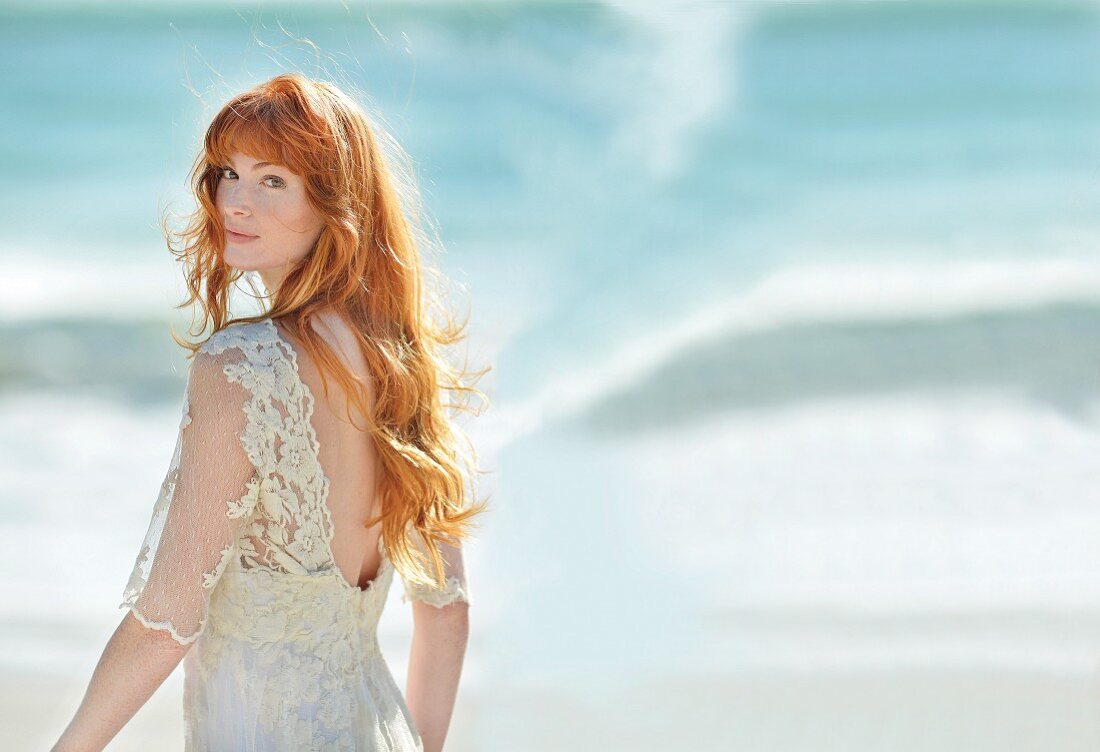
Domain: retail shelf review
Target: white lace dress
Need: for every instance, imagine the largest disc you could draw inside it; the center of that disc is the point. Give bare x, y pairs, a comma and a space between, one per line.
238, 560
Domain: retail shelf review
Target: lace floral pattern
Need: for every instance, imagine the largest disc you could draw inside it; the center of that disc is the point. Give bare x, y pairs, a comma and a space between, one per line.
202, 505
285, 651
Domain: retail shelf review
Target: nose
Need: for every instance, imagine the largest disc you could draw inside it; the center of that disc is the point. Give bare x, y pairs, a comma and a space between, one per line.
233, 199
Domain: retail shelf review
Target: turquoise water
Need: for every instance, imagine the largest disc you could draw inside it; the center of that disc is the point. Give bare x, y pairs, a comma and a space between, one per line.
792, 310
597, 170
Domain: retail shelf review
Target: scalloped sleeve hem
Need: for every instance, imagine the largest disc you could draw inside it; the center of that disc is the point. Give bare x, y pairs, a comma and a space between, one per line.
163, 626
455, 592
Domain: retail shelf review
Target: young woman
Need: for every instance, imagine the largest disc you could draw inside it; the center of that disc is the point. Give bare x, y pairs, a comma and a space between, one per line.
282, 518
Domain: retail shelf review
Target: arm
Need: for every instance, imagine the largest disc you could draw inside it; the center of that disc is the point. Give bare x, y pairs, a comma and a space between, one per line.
135, 662
441, 631
204, 500
435, 666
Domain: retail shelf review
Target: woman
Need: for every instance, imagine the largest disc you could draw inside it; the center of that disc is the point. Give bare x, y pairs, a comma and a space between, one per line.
281, 520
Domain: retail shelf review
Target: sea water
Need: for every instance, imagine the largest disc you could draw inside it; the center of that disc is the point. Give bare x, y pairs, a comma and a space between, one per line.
792, 311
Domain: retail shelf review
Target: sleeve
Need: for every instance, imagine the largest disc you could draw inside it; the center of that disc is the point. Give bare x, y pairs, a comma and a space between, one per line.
457, 587
205, 499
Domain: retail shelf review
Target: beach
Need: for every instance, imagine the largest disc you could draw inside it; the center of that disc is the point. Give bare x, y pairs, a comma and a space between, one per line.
792, 313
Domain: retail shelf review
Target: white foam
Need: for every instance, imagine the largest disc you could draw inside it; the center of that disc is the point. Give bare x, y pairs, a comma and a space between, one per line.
100, 283
686, 74
811, 293
895, 504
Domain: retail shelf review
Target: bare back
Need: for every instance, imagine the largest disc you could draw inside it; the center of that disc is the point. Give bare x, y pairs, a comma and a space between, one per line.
347, 456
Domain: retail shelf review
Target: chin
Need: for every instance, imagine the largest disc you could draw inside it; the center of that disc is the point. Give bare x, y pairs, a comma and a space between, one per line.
241, 262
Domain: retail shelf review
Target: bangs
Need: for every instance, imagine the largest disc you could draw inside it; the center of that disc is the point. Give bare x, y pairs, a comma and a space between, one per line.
246, 136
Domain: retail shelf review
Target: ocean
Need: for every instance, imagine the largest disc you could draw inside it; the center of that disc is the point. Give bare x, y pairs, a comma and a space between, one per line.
792, 313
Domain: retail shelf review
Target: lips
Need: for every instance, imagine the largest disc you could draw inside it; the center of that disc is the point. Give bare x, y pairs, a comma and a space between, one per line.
243, 234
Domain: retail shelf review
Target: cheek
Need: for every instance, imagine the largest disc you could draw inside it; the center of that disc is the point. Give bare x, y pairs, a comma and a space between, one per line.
267, 205
300, 215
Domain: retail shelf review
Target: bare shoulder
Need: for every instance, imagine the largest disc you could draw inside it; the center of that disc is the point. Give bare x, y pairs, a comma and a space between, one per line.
338, 334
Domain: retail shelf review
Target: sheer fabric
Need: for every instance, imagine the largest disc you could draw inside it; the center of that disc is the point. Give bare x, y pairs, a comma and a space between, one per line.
238, 562
204, 502
454, 570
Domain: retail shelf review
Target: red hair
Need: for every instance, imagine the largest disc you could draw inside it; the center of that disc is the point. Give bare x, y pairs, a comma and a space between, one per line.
366, 265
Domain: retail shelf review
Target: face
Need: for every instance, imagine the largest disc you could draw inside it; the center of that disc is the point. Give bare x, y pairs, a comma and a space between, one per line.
268, 204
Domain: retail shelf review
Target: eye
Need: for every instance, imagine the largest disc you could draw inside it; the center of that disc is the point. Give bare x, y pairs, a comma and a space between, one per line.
280, 183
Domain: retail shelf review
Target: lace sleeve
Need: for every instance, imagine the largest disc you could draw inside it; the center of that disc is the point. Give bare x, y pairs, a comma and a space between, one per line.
206, 497
457, 587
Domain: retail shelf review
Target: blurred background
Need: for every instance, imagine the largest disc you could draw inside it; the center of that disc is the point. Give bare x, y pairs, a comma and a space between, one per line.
792, 309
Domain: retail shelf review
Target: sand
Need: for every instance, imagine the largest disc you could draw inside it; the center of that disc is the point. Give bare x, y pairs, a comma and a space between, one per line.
900, 711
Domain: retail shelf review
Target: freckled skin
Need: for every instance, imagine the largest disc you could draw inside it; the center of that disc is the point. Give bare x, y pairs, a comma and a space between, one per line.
269, 202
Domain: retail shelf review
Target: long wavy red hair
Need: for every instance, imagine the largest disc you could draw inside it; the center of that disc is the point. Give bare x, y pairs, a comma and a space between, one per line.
367, 266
